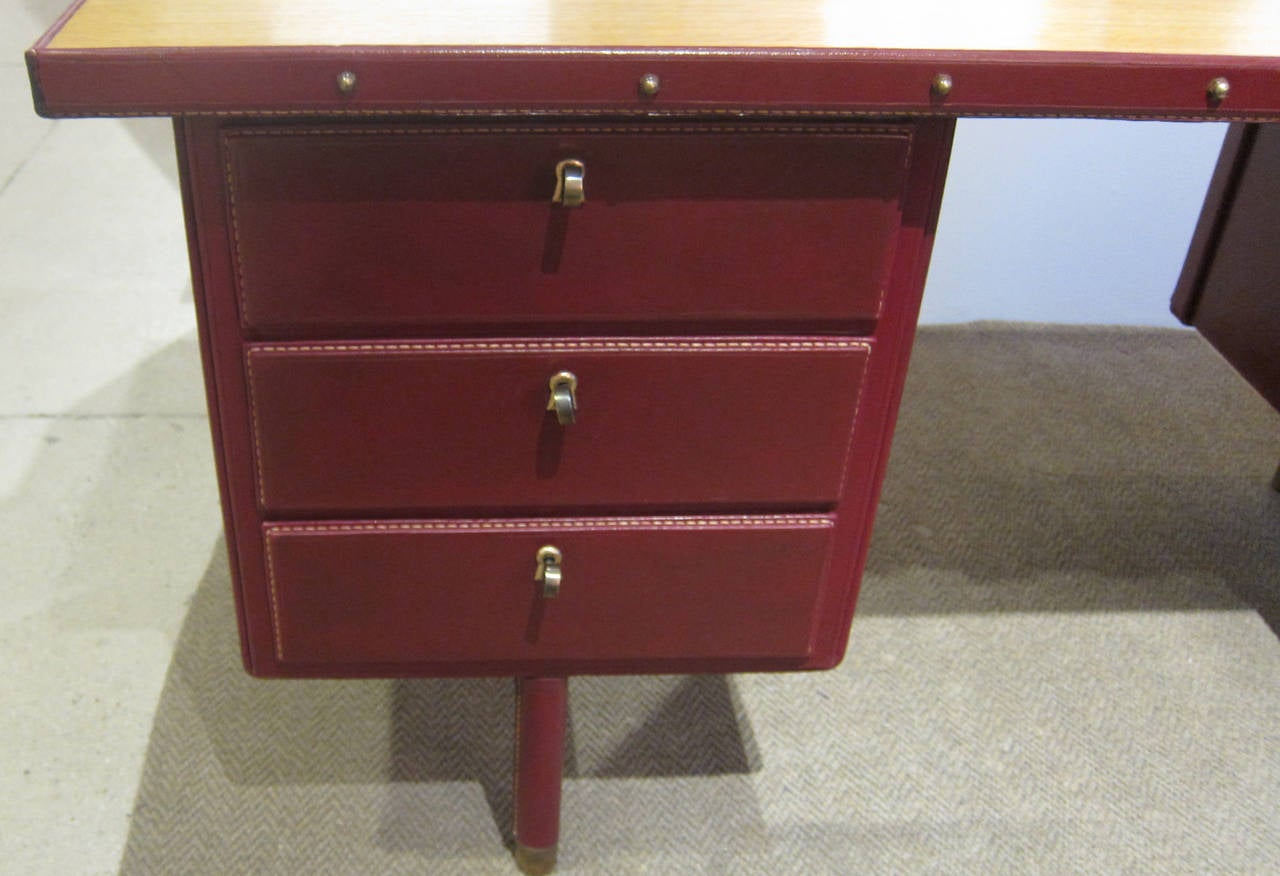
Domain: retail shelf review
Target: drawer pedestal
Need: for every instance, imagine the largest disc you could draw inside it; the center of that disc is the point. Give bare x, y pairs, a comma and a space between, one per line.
385, 308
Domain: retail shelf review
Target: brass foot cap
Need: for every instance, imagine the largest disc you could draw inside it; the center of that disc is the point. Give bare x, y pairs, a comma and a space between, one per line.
535, 862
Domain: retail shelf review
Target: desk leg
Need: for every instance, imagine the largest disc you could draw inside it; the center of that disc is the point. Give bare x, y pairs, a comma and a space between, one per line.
540, 722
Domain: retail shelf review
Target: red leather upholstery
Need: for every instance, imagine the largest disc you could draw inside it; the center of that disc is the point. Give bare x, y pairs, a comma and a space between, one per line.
378, 342
407, 428
437, 592
359, 228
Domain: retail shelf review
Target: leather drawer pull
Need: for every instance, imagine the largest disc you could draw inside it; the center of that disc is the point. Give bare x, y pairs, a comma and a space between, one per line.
548, 572
569, 183
563, 398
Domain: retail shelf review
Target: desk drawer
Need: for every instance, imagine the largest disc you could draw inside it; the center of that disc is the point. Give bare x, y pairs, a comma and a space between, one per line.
404, 428
464, 590
358, 230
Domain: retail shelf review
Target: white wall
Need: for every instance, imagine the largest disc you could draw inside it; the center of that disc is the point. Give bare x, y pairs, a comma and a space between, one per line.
1065, 220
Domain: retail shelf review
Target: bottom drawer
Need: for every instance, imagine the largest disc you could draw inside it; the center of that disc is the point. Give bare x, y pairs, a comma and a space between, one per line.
638, 588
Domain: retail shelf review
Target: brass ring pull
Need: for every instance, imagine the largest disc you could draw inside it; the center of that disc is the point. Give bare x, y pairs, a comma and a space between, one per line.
563, 398
548, 572
569, 183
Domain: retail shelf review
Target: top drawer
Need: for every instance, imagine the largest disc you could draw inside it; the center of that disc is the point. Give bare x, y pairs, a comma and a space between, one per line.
362, 229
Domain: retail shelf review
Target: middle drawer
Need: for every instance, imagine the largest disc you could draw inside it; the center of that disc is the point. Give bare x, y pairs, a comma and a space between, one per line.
690, 423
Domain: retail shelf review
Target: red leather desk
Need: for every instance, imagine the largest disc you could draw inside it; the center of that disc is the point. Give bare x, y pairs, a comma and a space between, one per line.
533, 351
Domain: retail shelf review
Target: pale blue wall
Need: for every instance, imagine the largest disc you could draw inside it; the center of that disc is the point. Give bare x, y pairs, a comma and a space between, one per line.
1064, 220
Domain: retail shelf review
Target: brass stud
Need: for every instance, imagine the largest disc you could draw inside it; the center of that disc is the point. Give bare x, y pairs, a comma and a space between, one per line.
346, 82
941, 85
649, 84
1219, 88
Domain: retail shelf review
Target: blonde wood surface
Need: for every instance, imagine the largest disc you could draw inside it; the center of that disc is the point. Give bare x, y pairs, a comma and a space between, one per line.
1197, 27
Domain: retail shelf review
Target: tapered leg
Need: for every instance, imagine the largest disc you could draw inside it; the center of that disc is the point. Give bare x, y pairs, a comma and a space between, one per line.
1275, 480
540, 722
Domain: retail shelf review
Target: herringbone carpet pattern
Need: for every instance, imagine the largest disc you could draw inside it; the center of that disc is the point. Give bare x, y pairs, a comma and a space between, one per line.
1061, 664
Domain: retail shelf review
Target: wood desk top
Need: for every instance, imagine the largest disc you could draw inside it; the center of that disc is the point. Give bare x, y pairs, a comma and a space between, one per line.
1149, 58
1194, 27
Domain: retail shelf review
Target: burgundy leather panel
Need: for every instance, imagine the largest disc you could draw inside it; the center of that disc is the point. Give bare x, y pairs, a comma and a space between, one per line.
633, 589
405, 428
188, 178
486, 79
1233, 158
412, 227
884, 381
1237, 301
222, 339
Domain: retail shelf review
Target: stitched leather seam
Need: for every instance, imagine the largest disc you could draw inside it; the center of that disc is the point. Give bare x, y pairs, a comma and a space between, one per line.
235, 233
257, 436
562, 346
633, 128
275, 601
577, 524
889, 265
853, 426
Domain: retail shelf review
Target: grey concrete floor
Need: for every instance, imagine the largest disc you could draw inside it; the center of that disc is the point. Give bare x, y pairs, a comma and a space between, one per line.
108, 503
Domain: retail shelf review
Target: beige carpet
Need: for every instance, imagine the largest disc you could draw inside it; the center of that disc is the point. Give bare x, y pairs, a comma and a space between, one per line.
1061, 664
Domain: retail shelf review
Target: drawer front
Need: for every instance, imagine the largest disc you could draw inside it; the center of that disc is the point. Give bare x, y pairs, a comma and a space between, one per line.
631, 589
695, 423
366, 229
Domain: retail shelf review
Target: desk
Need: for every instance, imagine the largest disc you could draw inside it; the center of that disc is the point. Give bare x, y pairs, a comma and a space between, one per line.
467, 422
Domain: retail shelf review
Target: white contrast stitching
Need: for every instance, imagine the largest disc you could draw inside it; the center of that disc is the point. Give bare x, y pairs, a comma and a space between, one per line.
257, 435
275, 601
631, 128
747, 345
235, 233
853, 426
577, 524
